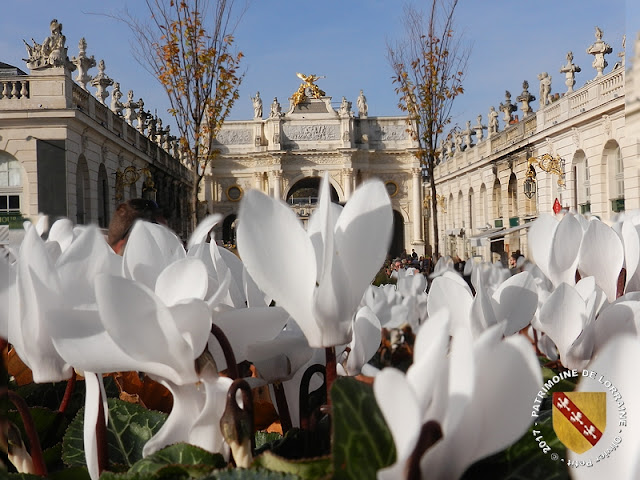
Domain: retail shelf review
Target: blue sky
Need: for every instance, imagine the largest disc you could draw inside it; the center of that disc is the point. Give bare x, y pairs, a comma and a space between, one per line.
345, 40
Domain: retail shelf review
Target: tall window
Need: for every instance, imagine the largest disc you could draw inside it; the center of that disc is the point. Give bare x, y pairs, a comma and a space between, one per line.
10, 184
82, 192
497, 199
103, 197
512, 192
470, 224
484, 215
583, 182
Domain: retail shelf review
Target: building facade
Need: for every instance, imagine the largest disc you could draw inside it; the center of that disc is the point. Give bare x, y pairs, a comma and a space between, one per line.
67, 152
285, 155
579, 151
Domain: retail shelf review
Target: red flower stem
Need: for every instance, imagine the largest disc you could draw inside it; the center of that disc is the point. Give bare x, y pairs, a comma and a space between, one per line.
283, 407
30, 429
331, 373
68, 392
229, 356
622, 279
101, 438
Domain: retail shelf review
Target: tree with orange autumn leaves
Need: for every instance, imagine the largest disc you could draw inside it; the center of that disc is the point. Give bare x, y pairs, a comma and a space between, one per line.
188, 46
428, 72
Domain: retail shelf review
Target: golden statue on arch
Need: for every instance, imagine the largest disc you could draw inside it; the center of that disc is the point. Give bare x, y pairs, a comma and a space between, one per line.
307, 89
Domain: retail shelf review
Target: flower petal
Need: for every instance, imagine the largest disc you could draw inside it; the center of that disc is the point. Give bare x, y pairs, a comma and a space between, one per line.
199, 235
449, 294
183, 279
270, 237
602, 256
515, 302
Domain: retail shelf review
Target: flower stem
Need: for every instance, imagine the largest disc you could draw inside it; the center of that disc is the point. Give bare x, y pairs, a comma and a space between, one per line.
68, 392
622, 279
283, 407
30, 429
305, 410
101, 437
430, 433
229, 356
331, 373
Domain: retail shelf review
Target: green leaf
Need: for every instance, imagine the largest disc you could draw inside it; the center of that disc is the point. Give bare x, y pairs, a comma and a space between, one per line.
307, 469
130, 427
181, 454
50, 425
252, 474
362, 443
265, 438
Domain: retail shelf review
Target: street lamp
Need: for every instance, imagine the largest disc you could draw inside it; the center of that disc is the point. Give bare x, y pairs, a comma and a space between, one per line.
547, 163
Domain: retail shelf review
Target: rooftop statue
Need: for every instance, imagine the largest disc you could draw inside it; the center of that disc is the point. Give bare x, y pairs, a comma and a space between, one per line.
599, 49
52, 52
307, 89
570, 70
526, 98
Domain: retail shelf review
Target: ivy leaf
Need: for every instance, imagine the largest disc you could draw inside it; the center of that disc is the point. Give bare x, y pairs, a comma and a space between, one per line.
130, 427
362, 443
181, 454
307, 469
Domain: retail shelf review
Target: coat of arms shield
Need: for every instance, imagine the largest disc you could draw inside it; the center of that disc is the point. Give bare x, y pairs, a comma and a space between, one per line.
579, 418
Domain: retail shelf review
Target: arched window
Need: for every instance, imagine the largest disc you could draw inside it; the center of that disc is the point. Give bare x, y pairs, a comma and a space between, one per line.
10, 183
82, 192
583, 182
470, 211
497, 200
483, 218
612, 158
103, 197
512, 195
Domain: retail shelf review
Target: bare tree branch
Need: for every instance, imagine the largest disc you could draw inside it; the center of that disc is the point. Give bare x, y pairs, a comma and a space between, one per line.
428, 70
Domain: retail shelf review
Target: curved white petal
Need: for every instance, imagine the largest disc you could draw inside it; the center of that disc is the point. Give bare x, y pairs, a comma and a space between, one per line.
246, 326
38, 294
540, 238
563, 257
62, 232
149, 249
602, 256
188, 401
562, 317
205, 432
366, 340
449, 294
515, 302
199, 235
136, 319
91, 408
279, 256
400, 409
181, 280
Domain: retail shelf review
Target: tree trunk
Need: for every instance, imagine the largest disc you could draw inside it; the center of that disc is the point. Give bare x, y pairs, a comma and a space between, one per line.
434, 211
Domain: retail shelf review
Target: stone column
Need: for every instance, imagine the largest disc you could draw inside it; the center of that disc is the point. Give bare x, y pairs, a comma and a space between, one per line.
277, 183
416, 176
348, 182
257, 177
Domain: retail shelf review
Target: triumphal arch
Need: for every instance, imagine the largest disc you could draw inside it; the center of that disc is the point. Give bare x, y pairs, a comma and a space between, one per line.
285, 151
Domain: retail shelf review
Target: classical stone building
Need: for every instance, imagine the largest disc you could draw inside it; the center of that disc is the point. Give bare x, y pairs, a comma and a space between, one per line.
66, 152
286, 154
579, 151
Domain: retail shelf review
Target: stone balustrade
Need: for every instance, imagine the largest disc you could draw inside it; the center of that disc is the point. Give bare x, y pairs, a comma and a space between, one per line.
12, 89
